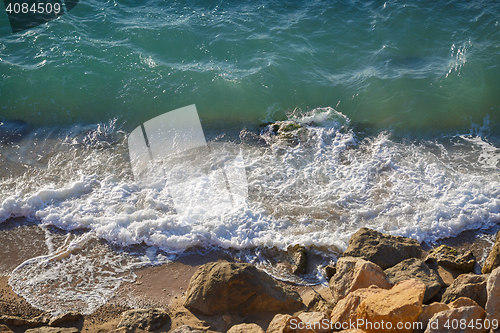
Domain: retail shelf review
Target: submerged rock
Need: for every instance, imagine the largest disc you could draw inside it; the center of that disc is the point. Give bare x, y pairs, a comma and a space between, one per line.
416, 268
493, 259
382, 249
146, 319
450, 258
356, 273
467, 285
299, 256
222, 287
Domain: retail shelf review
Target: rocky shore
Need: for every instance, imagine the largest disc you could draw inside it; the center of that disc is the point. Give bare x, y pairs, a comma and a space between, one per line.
381, 283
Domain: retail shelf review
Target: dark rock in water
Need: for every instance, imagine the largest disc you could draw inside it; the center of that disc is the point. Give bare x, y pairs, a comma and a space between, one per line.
330, 271
148, 319
288, 131
71, 316
12, 130
467, 285
493, 259
222, 287
252, 138
299, 256
382, 249
416, 268
450, 258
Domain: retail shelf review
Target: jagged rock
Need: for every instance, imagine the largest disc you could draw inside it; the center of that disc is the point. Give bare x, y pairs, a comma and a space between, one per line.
416, 268
346, 309
493, 259
382, 249
71, 316
222, 287
47, 329
284, 323
146, 319
493, 291
401, 304
18, 321
299, 255
355, 273
246, 328
467, 285
427, 313
315, 302
317, 320
450, 258
186, 329
465, 314
462, 301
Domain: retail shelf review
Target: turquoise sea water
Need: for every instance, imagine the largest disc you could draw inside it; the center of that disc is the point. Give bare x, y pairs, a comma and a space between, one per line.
395, 109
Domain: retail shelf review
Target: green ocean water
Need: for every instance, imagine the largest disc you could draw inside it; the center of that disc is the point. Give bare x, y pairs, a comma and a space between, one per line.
406, 65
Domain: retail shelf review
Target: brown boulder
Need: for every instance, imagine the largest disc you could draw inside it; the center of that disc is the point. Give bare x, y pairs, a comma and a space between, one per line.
146, 319
221, 287
427, 313
284, 323
355, 273
493, 259
318, 321
187, 329
401, 304
246, 328
416, 268
383, 249
450, 258
493, 290
346, 309
462, 301
467, 285
465, 319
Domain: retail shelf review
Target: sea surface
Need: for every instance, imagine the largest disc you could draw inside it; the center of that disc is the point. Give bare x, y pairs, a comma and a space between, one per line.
390, 110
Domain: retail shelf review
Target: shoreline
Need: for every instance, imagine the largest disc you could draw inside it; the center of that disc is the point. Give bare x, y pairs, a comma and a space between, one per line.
164, 286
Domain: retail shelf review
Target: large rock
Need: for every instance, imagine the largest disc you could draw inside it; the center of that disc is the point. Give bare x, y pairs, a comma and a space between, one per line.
493, 291
427, 313
493, 259
18, 321
284, 323
467, 285
416, 268
220, 287
355, 273
465, 319
382, 249
345, 311
462, 301
146, 319
318, 321
449, 257
401, 304
246, 328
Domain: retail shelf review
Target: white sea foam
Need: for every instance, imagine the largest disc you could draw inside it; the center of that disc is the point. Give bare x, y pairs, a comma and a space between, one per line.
314, 186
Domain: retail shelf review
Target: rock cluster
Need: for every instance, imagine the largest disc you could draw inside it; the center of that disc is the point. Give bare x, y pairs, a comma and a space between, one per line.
380, 284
